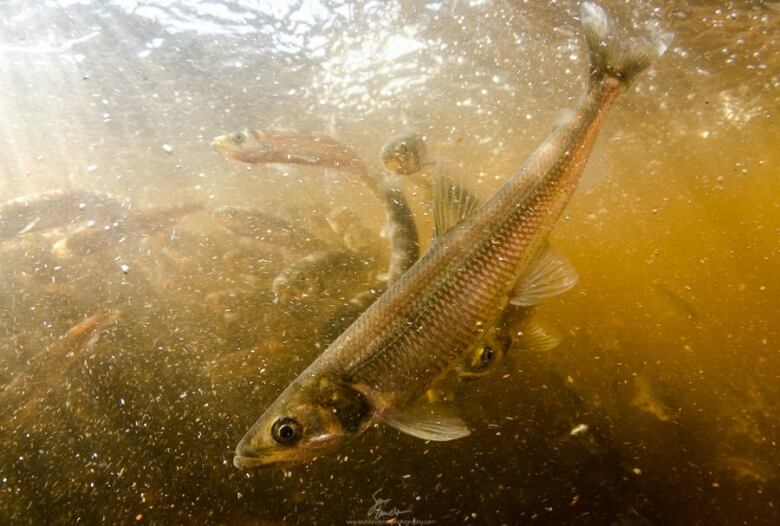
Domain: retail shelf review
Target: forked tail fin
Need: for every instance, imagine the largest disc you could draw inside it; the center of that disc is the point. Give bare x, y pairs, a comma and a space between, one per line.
614, 56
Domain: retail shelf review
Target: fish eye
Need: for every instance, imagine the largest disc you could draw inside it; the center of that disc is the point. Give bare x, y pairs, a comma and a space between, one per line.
239, 137
486, 356
286, 431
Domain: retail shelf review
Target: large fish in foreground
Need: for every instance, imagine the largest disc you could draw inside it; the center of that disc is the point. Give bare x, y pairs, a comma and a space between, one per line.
482, 259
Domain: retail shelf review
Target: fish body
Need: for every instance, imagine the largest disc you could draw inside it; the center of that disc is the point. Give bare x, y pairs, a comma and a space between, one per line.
56, 209
95, 237
380, 367
289, 147
267, 229
307, 277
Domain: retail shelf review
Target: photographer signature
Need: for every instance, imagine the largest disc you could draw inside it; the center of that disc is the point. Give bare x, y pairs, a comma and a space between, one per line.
377, 512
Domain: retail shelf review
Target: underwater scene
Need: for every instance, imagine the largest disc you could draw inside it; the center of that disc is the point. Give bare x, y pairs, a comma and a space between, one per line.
367, 262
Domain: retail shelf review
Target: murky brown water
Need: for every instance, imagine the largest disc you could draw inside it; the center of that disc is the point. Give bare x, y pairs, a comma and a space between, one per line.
133, 359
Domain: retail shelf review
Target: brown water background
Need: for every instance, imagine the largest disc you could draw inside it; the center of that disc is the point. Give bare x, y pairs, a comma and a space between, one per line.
670, 357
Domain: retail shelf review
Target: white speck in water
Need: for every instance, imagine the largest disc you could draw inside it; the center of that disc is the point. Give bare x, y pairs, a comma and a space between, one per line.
91, 168
578, 430
124, 267
183, 395
167, 148
144, 53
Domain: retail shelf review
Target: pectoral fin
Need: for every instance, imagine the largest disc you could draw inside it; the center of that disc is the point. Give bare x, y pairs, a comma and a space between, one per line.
428, 421
551, 274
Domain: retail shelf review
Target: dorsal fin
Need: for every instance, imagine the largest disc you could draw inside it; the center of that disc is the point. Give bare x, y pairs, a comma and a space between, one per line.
452, 201
549, 275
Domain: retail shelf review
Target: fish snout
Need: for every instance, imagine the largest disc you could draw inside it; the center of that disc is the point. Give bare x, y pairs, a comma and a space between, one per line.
246, 456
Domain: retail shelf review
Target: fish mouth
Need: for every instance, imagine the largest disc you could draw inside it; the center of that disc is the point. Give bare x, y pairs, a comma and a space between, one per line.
243, 459
242, 462
265, 461
223, 141
247, 457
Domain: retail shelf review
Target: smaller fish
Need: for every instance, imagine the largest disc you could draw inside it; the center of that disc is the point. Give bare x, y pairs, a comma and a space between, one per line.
345, 224
650, 398
676, 301
95, 237
406, 155
290, 147
515, 333
267, 228
308, 278
46, 367
400, 228
56, 209
318, 150
746, 468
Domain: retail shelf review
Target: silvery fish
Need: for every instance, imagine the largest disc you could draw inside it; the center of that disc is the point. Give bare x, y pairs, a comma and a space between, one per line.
483, 258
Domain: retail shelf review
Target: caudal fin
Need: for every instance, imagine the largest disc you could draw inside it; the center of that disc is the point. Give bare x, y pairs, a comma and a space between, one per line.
614, 56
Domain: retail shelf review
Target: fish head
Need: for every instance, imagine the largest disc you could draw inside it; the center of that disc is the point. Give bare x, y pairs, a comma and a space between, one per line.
405, 153
309, 419
297, 282
483, 358
245, 146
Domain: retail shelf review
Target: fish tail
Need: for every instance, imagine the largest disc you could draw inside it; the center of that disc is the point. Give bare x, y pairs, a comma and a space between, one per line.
614, 56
